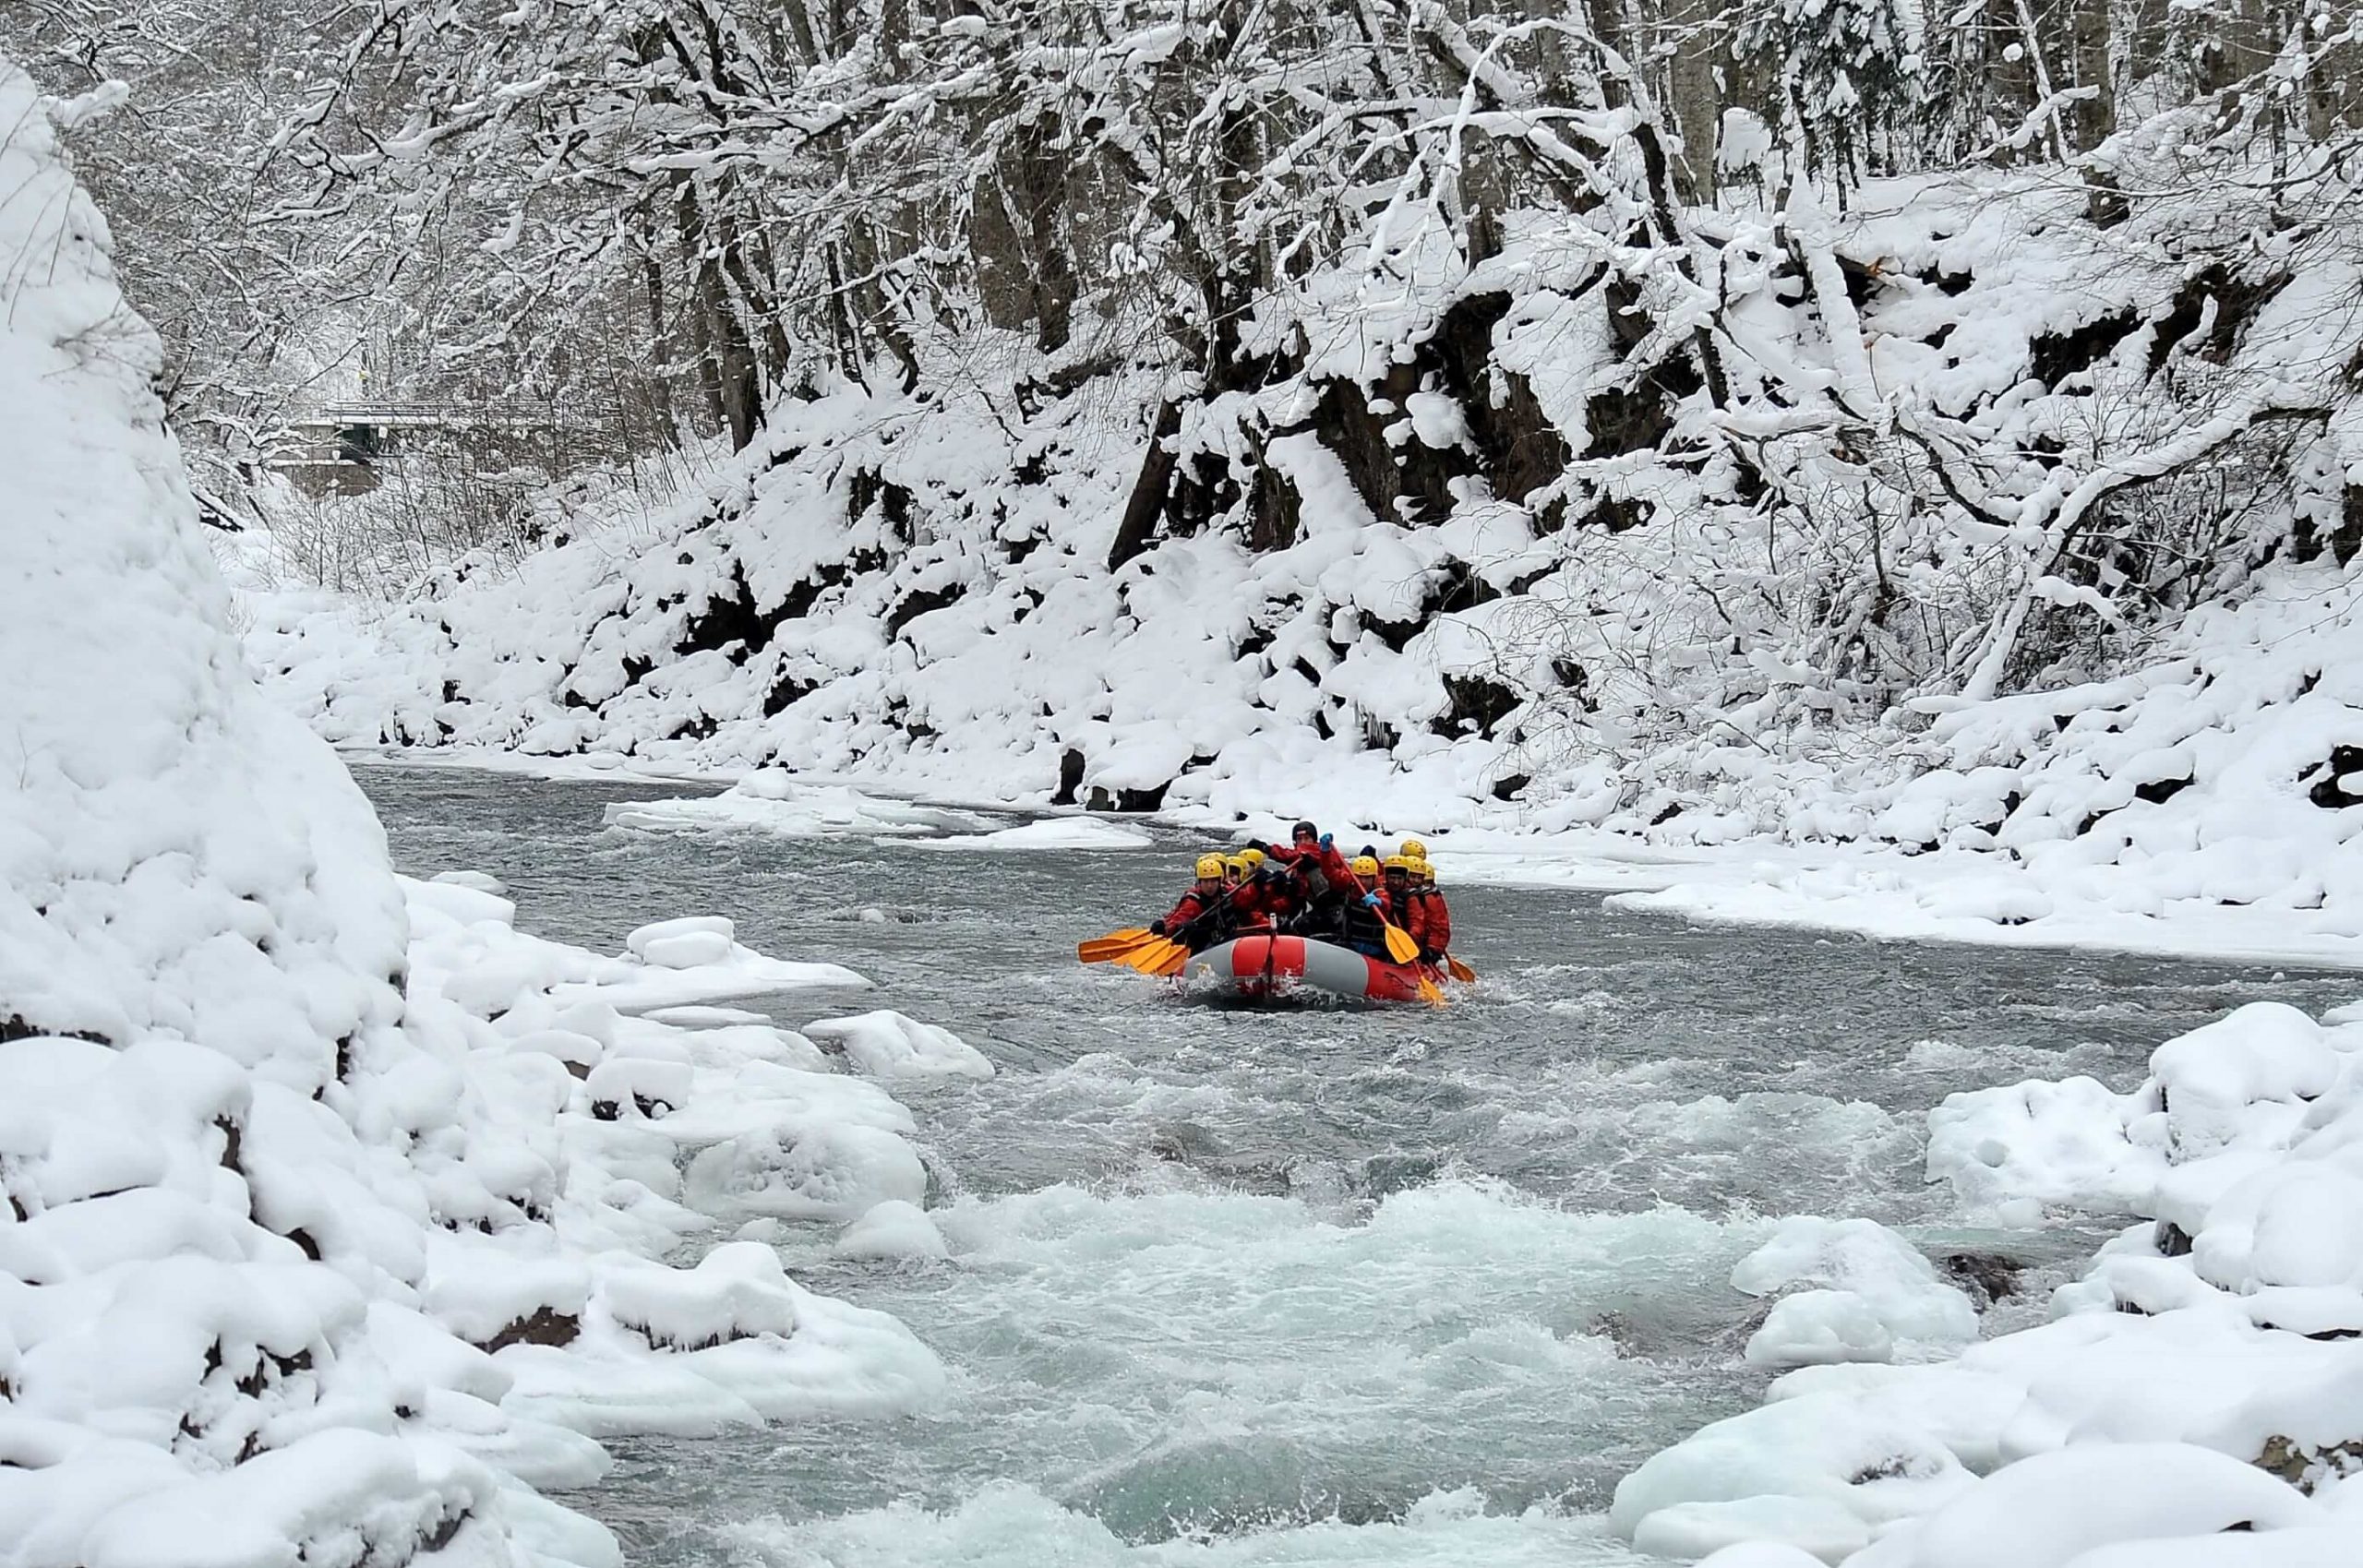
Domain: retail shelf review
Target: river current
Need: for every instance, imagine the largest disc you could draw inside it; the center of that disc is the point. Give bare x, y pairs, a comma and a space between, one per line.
1318, 1287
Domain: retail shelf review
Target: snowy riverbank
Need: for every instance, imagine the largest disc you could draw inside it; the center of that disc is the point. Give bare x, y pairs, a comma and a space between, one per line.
2191, 1405
1867, 889
338, 1211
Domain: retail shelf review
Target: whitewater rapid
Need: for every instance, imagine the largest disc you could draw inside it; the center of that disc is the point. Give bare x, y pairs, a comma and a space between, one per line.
1327, 1286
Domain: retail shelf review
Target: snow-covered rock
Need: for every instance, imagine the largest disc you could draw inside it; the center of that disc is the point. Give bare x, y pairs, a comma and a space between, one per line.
892, 1229
2204, 1363
1876, 1297
887, 1044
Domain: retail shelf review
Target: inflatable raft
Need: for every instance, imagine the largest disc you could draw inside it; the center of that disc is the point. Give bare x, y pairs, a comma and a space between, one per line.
1274, 966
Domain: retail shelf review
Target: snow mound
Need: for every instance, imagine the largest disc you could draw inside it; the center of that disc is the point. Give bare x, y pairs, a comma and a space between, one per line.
773, 803
892, 1229
1050, 833
1878, 1300
887, 1044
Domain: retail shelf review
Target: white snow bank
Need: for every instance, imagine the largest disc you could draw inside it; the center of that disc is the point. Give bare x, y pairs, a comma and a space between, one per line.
323, 1195
2204, 1364
776, 803
1048, 833
888, 1044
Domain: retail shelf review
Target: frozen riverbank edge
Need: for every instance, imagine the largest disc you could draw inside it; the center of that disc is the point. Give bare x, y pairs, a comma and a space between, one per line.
1973, 896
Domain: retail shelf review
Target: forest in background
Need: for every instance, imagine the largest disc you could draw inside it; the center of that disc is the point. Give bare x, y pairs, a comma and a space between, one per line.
1761, 380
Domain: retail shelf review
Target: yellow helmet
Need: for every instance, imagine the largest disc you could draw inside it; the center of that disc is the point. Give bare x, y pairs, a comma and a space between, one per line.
1210, 865
1250, 858
1364, 866
1423, 872
1397, 863
1235, 864
1414, 850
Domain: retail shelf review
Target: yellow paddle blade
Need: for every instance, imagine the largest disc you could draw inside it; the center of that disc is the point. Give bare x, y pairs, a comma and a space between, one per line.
1399, 945
1176, 963
1102, 949
1151, 956
1429, 993
1460, 972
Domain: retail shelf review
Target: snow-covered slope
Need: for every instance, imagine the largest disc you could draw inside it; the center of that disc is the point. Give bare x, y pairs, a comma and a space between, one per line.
1480, 545
330, 1206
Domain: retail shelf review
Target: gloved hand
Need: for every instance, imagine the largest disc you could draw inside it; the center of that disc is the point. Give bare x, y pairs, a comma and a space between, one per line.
1371, 899
1157, 928
1329, 841
1259, 846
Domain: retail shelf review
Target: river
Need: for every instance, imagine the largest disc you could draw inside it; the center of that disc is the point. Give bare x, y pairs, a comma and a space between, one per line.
1318, 1287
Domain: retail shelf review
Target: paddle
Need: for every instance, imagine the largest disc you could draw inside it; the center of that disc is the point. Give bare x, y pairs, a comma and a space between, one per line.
1399, 945
1114, 945
1152, 953
1460, 971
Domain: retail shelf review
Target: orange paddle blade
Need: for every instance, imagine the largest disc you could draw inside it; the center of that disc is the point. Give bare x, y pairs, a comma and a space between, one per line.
1115, 945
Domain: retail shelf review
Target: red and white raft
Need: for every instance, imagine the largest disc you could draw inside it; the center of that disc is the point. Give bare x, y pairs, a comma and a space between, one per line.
1273, 966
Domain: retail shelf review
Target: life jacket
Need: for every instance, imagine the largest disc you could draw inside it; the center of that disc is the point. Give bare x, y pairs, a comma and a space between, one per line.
1430, 921
1360, 928
1193, 904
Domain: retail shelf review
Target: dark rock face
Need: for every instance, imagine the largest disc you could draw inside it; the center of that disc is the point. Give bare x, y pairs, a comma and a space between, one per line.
1987, 1277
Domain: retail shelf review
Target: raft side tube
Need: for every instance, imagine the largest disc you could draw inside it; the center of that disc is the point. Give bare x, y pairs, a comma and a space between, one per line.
1267, 966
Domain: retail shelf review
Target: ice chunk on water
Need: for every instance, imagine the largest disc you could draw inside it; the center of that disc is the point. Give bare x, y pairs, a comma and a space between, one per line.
808, 1171
1877, 1299
886, 1044
892, 1229
684, 943
1050, 833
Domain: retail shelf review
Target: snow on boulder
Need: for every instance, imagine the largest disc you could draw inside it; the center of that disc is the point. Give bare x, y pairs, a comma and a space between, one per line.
1760, 1554
684, 943
338, 1495
892, 1229
2295, 1223
887, 1044
2047, 1511
1877, 1299
2067, 1142
804, 1171
2209, 1077
2338, 1547
737, 1291
1819, 1474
